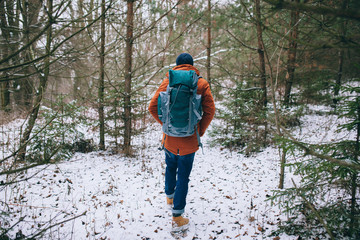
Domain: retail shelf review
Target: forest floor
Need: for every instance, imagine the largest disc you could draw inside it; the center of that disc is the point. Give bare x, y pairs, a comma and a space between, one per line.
123, 198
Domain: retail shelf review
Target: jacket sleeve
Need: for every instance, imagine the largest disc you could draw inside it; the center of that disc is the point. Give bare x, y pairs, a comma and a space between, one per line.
208, 107
154, 101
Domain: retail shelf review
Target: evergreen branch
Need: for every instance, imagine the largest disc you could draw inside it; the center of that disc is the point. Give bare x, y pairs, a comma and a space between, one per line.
309, 151
312, 208
241, 42
302, 7
16, 152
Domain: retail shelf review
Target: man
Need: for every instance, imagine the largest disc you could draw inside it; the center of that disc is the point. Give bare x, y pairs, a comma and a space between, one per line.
180, 151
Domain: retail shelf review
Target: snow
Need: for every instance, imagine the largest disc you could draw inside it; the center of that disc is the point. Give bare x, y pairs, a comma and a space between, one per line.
123, 198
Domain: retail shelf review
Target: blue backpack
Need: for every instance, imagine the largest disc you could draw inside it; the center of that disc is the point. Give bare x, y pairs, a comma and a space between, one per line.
179, 107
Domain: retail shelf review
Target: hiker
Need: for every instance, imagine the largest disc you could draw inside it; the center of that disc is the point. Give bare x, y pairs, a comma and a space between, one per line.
180, 151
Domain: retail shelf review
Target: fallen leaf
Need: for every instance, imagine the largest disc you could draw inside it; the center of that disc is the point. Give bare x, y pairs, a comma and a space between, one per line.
68, 180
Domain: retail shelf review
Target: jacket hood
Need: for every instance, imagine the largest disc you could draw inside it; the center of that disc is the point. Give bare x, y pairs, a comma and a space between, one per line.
186, 67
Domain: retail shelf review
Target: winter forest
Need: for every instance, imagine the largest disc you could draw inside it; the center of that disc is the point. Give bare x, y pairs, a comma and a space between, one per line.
79, 151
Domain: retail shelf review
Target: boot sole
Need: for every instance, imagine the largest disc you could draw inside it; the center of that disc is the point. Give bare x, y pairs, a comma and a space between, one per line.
181, 228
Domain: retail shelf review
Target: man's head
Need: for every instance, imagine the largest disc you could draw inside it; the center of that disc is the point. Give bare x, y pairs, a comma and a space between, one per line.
184, 58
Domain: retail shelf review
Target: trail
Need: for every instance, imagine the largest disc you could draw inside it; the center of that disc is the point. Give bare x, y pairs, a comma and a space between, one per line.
124, 197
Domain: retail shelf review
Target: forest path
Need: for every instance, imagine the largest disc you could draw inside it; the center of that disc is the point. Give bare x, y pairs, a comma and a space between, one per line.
124, 197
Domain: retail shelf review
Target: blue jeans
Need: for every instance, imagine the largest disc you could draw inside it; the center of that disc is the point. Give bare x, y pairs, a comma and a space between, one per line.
177, 174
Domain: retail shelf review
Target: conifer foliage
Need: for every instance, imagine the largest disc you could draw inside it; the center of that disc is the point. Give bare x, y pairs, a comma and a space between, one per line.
326, 197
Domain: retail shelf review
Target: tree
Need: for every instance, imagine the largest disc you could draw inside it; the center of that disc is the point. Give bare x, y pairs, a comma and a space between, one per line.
261, 49
208, 47
43, 75
4, 26
294, 18
353, 14
128, 73
101, 79
341, 52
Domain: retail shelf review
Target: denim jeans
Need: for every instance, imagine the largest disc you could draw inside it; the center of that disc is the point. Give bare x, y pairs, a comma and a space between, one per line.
177, 174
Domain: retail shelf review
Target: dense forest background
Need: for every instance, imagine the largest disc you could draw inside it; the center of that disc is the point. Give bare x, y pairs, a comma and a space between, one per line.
265, 60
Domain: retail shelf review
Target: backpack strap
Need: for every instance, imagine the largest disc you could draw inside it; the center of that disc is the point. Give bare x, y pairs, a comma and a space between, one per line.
198, 139
163, 145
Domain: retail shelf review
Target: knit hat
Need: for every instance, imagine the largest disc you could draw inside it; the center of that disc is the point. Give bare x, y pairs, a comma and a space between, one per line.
184, 58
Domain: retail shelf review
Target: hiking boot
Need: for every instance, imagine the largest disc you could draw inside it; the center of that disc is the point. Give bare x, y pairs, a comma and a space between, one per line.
169, 201
180, 223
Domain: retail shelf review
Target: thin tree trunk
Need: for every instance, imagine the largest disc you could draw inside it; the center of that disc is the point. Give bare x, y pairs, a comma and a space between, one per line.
282, 168
208, 48
341, 56
41, 89
101, 80
30, 10
4, 86
261, 49
128, 75
261, 53
354, 186
339, 75
294, 18
4, 95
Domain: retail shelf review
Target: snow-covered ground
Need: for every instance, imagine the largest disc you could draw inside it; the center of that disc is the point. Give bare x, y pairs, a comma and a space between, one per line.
123, 198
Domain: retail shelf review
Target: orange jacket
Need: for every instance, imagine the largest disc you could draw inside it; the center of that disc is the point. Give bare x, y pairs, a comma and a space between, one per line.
186, 145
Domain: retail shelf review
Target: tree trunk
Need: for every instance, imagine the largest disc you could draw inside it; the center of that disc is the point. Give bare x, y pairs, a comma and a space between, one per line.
354, 186
4, 95
282, 168
208, 48
341, 56
101, 80
128, 75
4, 86
261, 54
294, 18
30, 10
339, 75
41, 89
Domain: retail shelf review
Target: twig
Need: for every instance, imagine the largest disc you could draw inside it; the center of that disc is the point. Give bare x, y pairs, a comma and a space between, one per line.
3, 234
56, 224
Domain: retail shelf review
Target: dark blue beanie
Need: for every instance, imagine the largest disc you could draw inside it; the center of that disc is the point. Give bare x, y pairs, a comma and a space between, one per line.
184, 58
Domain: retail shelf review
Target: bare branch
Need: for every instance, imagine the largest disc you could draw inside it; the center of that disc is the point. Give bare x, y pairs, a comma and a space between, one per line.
56, 224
